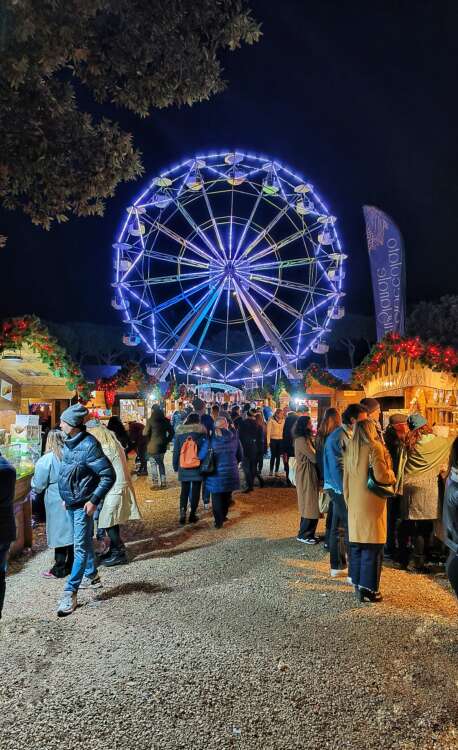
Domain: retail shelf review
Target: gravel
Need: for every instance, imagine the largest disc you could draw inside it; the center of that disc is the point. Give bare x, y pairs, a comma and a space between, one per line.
235, 638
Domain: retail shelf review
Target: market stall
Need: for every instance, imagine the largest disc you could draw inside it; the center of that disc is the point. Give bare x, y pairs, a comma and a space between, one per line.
37, 382
412, 376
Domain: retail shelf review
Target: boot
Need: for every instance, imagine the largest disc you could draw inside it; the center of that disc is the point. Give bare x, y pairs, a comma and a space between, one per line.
117, 557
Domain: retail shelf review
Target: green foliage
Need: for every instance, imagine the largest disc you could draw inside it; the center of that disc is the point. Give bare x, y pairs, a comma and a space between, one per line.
56, 160
436, 321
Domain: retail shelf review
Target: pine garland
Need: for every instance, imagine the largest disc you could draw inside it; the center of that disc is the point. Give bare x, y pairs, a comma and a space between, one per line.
434, 356
29, 330
323, 377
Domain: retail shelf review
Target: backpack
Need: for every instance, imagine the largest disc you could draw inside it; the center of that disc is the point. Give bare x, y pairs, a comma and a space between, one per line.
189, 458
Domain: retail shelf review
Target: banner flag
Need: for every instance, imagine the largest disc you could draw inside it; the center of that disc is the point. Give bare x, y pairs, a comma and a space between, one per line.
386, 257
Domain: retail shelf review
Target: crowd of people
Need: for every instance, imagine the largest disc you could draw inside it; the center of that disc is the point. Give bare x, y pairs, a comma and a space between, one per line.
384, 494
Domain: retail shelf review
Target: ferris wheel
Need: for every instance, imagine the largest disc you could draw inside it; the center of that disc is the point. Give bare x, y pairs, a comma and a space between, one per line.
228, 263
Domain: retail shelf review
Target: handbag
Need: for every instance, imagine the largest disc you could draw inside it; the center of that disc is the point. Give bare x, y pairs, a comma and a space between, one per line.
208, 465
377, 488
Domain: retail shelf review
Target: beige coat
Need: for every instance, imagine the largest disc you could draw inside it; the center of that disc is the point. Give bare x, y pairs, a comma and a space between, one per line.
119, 504
275, 429
366, 511
306, 478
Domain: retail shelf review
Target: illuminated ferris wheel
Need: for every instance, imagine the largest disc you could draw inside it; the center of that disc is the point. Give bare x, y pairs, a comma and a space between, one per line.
228, 263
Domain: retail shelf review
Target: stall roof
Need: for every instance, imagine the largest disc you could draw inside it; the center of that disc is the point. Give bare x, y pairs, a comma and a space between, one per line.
27, 369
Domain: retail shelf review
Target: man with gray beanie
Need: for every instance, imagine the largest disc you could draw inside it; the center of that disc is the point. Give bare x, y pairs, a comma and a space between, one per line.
85, 477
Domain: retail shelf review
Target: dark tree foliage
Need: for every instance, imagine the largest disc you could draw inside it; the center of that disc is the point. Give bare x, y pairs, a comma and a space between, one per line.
56, 160
435, 321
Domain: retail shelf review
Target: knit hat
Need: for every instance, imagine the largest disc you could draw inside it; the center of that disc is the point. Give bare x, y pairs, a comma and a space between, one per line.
415, 421
371, 404
398, 419
74, 415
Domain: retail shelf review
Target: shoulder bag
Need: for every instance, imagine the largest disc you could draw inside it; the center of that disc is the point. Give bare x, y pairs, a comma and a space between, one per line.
208, 465
377, 488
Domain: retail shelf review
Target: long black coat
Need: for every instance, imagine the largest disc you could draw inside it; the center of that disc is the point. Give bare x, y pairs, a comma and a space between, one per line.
251, 436
159, 432
7, 487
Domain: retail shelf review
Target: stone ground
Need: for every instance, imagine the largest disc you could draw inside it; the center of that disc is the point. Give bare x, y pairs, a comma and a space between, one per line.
225, 639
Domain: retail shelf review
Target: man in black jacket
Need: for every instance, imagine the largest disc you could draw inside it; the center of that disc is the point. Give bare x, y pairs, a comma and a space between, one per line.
251, 437
85, 477
288, 442
7, 522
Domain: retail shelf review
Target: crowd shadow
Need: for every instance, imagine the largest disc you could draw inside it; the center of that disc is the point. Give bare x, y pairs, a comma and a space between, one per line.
133, 587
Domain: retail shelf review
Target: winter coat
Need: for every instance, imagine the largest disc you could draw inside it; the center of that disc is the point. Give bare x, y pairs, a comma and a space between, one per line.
119, 505
198, 433
251, 437
333, 458
85, 473
59, 527
450, 511
159, 432
366, 511
288, 440
7, 490
398, 453
178, 418
306, 478
228, 453
207, 422
421, 478
275, 429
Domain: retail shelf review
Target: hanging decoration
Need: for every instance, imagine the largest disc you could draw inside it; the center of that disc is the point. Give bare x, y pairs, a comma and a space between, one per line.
29, 330
279, 388
323, 377
128, 373
430, 355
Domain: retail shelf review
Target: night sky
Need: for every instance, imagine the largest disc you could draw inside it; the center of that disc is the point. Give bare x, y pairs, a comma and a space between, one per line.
358, 97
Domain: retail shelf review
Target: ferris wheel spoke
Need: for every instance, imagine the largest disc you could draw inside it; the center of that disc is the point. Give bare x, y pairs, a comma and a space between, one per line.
213, 221
280, 264
180, 297
182, 241
175, 259
246, 324
215, 254
175, 278
247, 225
276, 282
206, 327
274, 301
265, 231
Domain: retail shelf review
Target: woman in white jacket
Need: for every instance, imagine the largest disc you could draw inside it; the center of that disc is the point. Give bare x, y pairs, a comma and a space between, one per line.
275, 440
119, 505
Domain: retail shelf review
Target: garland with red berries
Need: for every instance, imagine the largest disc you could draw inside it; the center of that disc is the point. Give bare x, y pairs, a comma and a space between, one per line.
439, 358
323, 377
131, 372
29, 330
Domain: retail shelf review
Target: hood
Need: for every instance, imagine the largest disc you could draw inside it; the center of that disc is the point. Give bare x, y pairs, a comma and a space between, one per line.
186, 429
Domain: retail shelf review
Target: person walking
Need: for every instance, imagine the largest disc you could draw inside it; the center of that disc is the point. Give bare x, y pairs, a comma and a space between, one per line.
252, 439
427, 455
189, 439
119, 505
288, 442
85, 478
275, 440
159, 433
366, 510
228, 453
333, 461
450, 517
120, 432
262, 446
7, 521
330, 421
59, 527
307, 485
205, 418
395, 437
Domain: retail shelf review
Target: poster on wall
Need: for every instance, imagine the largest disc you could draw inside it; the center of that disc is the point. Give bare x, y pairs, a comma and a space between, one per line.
6, 390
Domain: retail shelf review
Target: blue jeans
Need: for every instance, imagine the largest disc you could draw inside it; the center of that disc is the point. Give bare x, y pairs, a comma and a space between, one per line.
366, 565
83, 563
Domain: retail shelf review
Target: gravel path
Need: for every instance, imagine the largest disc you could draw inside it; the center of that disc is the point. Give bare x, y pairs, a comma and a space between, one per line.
224, 639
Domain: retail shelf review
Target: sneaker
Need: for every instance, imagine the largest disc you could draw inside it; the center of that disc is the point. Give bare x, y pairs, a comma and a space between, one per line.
339, 573
309, 540
349, 580
91, 583
47, 574
193, 518
67, 604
